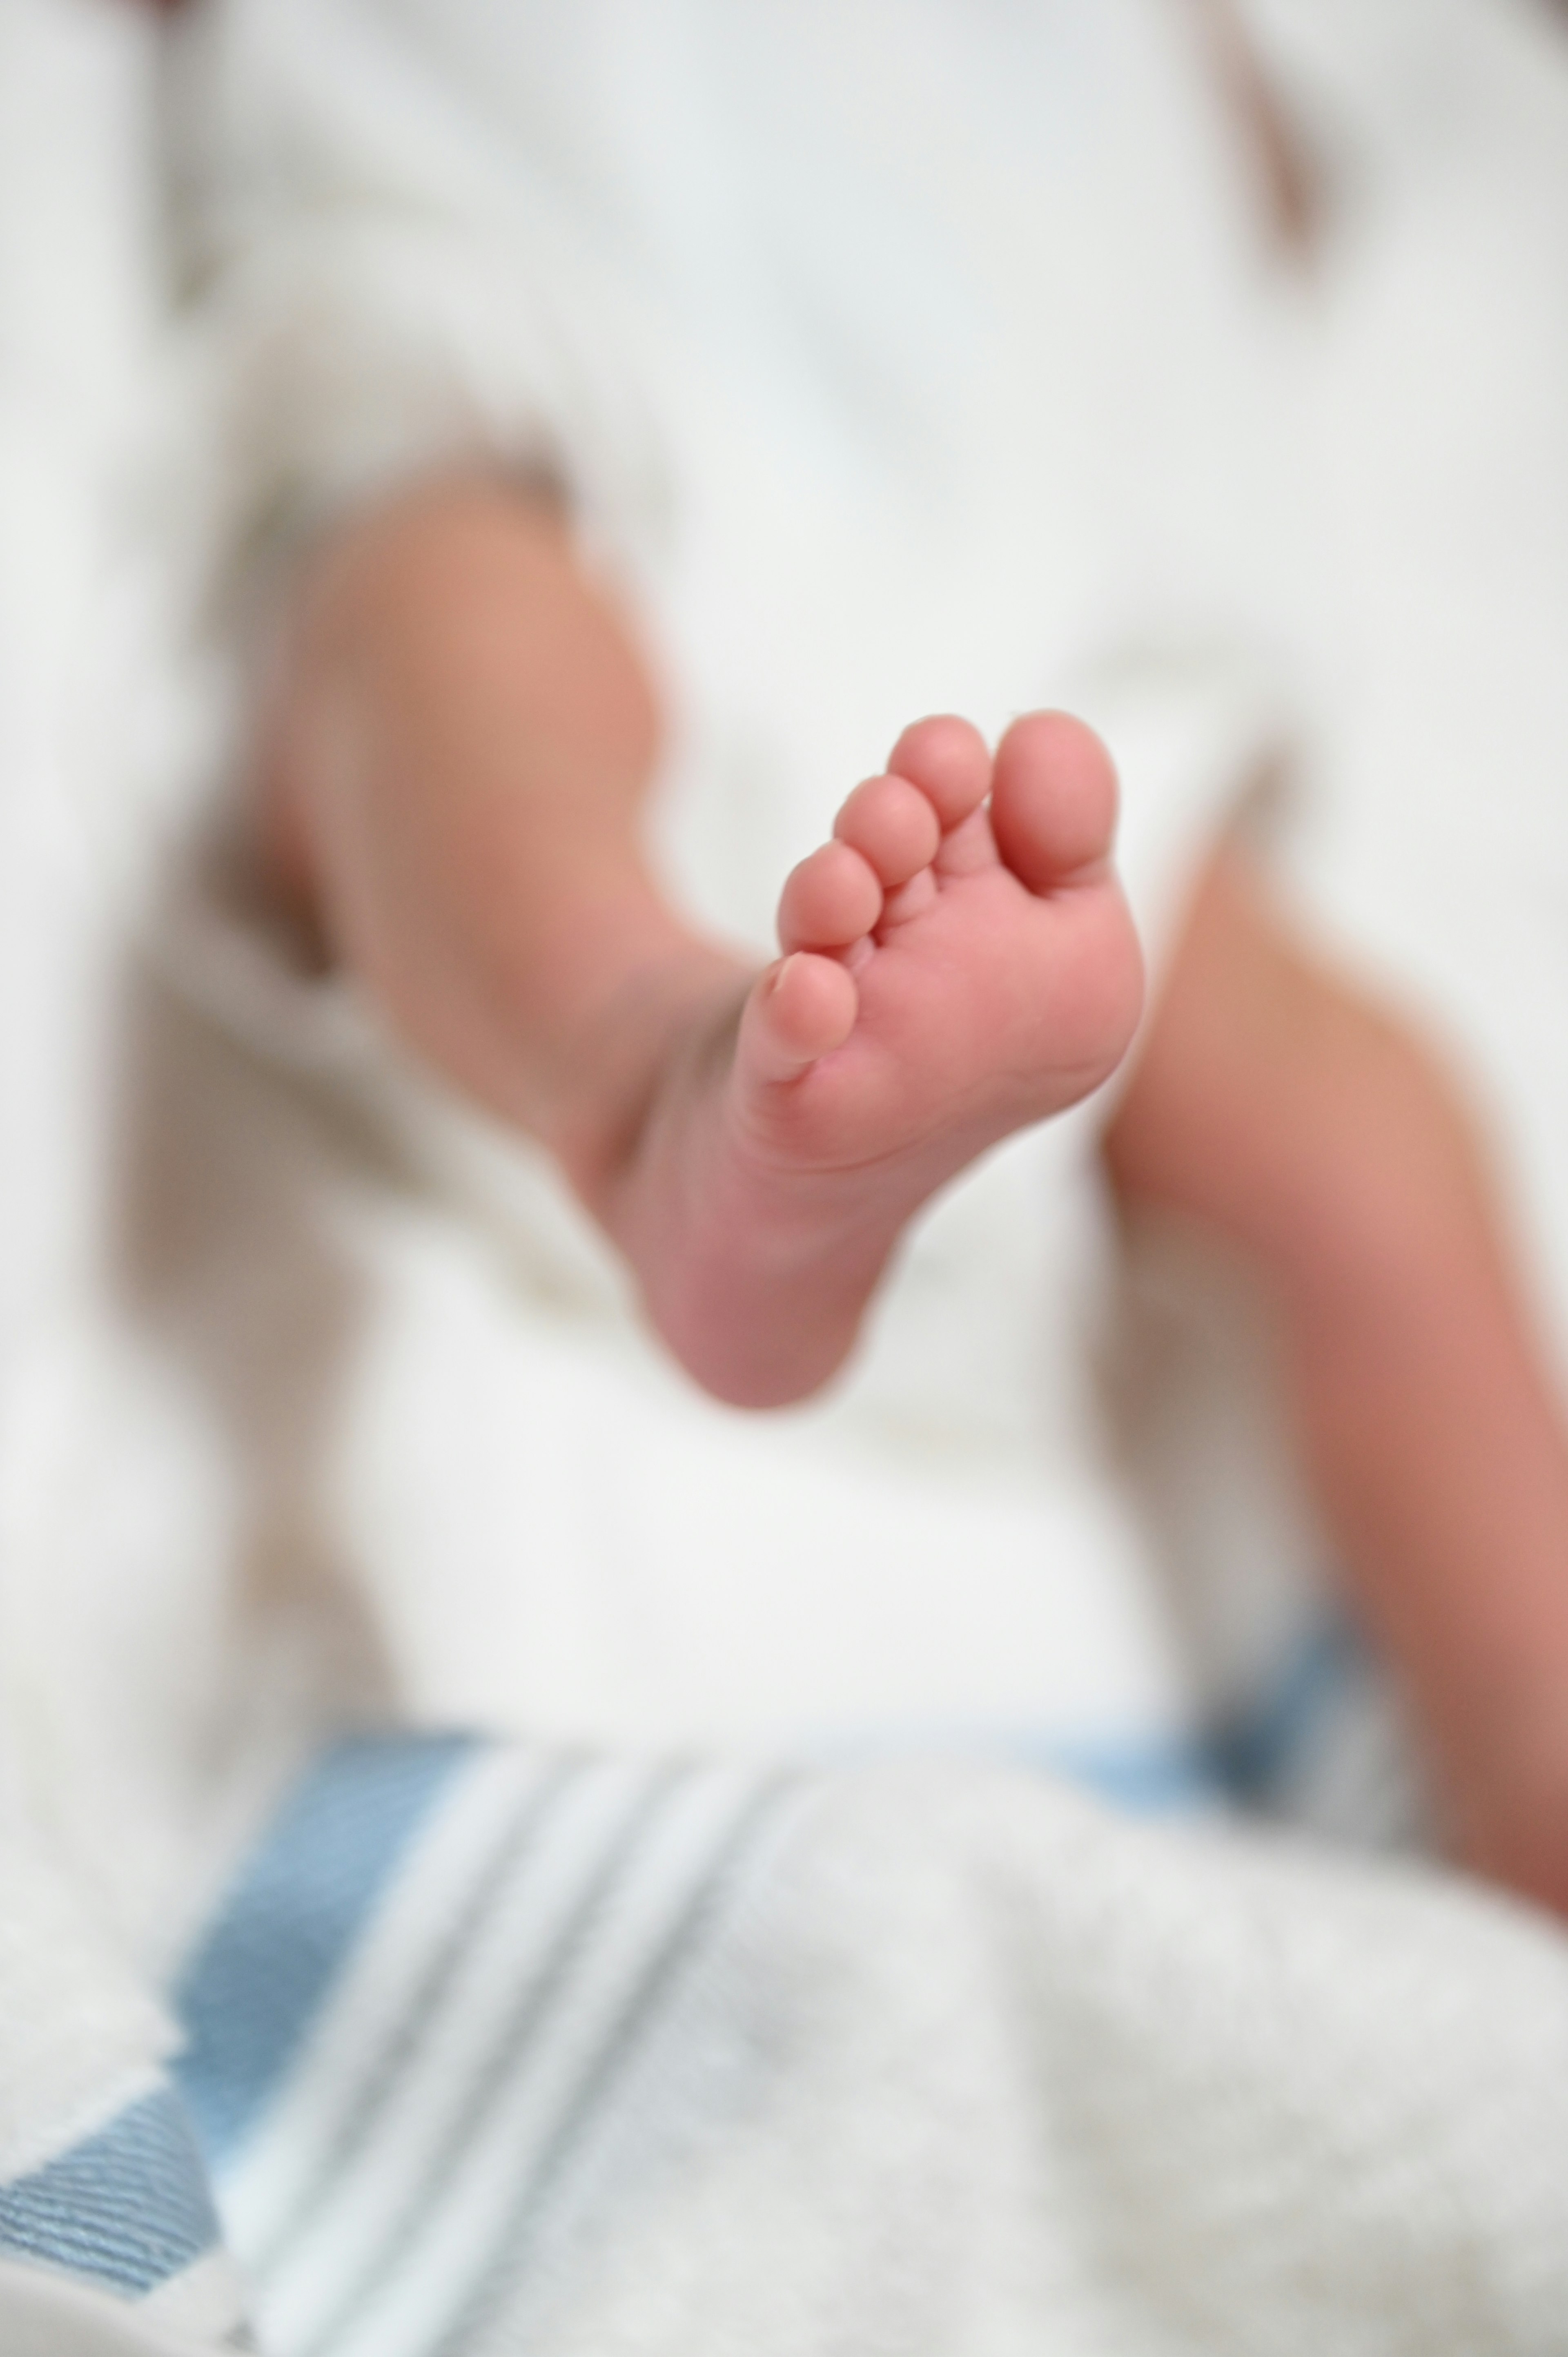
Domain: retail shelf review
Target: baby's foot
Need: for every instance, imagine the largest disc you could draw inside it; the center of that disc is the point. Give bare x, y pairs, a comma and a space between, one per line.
959, 963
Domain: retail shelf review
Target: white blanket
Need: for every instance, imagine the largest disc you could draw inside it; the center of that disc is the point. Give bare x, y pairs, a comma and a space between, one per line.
495, 2048
966, 2062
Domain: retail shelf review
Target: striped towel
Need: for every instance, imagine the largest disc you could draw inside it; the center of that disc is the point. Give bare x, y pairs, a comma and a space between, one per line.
430, 1998
492, 2047
128, 2208
428, 2004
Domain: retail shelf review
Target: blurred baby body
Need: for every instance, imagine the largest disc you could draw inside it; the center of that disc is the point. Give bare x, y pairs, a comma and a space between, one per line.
834, 336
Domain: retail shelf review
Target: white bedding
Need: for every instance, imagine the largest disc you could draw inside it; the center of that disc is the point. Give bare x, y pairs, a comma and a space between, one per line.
844, 471
316, 1408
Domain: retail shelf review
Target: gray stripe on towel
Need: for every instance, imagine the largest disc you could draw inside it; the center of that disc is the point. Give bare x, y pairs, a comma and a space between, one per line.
493, 1883
513, 2042
654, 1988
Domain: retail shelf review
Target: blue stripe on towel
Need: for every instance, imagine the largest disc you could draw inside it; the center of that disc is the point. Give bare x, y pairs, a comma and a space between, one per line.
1147, 1775
1265, 1742
1150, 1779
250, 1992
128, 2207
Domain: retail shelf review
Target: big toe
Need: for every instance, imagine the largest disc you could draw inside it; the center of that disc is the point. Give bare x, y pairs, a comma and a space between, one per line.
1053, 799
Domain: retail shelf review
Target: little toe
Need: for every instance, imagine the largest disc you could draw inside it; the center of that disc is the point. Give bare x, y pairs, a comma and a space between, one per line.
829, 900
947, 759
1053, 800
892, 825
802, 1008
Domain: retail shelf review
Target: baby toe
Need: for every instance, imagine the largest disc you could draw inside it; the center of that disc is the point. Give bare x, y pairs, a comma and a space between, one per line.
892, 825
947, 759
829, 900
801, 1009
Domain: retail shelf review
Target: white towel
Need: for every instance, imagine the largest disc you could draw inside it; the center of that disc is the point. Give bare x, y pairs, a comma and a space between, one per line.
492, 2048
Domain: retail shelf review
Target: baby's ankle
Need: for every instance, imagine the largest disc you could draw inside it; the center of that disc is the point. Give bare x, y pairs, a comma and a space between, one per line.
674, 1004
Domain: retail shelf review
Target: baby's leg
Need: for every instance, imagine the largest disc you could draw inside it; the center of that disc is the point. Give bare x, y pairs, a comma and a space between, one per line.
1275, 1104
456, 780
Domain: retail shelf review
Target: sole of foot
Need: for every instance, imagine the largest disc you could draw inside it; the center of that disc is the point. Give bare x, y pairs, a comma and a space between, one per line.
957, 962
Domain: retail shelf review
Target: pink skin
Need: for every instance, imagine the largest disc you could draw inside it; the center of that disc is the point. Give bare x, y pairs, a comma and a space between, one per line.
959, 963
453, 776
452, 779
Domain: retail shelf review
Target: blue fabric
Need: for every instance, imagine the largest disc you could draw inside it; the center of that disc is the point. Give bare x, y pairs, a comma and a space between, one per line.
1146, 1779
127, 2207
1265, 1743
635, 1880
253, 1986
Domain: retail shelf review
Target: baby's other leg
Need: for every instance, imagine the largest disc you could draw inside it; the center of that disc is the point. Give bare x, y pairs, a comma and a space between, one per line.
1273, 1103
